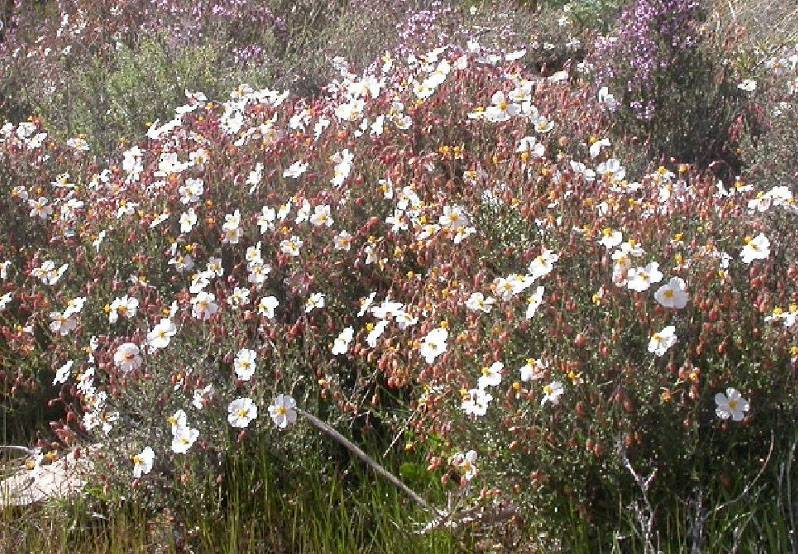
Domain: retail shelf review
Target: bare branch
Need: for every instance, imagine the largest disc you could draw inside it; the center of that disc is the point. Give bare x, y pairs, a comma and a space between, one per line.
338, 437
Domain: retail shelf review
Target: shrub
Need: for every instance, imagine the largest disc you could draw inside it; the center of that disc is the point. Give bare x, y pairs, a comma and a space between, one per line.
770, 156
674, 93
452, 177
110, 102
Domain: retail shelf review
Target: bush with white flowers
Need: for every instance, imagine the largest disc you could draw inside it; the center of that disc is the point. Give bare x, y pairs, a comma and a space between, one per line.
439, 251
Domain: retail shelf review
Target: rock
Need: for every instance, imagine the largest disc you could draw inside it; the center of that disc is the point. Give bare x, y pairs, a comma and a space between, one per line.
61, 479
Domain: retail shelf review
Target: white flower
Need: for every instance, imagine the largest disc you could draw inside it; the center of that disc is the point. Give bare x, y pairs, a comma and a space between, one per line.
466, 463
731, 405
552, 393
47, 272
239, 297
5, 300
316, 300
215, 267
610, 238
757, 248
291, 246
343, 166
491, 376
788, 317
267, 305
343, 241
125, 306
513, 284
478, 302
534, 302
405, 319
365, 303
127, 357
612, 169
63, 373
476, 402
183, 439
532, 370
387, 309
376, 332
78, 143
607, 98
187, 220
530, 145
296, 169
177, 421
659, 343
641, 278
62, 324
748, 85
673, 294
543, 265
142, 462
244, 364
161, 334
434, 344
341, 343
501, 109
542, 124
241, 411
74, 306
266, 219
595, 148
453, 217
283, 411
257, 273
199, 396
40, 208
191, 191
231, 228
321, 216
203, 305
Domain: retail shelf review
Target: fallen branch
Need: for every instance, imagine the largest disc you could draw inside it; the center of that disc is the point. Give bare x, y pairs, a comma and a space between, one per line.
354, 449
23, 449
443, 518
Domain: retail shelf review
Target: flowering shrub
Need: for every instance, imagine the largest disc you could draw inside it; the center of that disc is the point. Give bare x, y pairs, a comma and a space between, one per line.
443, 247
770, 156
667, 83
